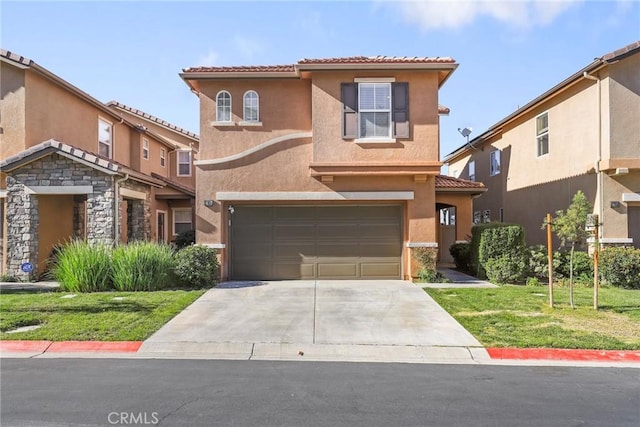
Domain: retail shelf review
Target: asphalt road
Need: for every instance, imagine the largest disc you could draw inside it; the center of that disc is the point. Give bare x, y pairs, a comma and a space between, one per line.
70, 392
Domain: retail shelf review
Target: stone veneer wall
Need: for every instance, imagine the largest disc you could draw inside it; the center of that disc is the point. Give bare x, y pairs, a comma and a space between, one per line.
22, 208
140, 227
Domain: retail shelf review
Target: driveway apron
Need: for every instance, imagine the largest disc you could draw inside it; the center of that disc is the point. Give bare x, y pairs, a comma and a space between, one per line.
338, 312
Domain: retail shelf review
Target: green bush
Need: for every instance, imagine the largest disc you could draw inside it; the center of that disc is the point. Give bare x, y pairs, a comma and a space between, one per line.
461, 253
426, 259
8, 278
196, 266
505, 269
620, 267
475, 266
141, 266
84, 267
184, 239
538, 266
503, 243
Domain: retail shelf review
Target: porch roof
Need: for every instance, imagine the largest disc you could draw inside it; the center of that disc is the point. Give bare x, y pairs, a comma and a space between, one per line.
447, 184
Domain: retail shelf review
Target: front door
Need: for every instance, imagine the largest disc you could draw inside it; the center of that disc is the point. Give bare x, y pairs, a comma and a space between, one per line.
161, 227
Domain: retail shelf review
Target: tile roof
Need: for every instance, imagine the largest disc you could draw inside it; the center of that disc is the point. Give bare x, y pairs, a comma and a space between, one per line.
93, 160
149, 117
616, 54
379, 60
443, 110
292, 68
244, 69
444, 181
15, 57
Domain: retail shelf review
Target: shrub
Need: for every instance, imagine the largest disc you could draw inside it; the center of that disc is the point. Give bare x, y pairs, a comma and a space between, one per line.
8, 278
461, 253
184, 239
196, 266
620, 267
426, 259
84, 267
141, 266
503, 243
477, 231
582, 267
505, 269
538, 266
533, 281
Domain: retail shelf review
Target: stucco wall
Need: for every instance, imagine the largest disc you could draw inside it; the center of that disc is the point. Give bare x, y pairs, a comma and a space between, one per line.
624, 107
328, 145
12, 110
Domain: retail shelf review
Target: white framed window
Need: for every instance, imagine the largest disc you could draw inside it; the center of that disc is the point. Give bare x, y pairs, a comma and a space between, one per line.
542, 134
145, 149
494, 162
374, 105
182, 220
472, 170
105, 138
163, 157
251, 106
223, 106
184, 163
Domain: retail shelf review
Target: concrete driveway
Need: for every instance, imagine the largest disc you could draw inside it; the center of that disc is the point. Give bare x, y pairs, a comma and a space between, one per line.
284, 319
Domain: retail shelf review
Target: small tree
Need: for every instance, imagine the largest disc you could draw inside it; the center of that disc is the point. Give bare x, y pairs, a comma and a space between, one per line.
570, 226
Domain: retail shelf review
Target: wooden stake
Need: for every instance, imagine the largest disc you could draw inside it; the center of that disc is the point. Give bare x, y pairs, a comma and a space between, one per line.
550, 258
596, 251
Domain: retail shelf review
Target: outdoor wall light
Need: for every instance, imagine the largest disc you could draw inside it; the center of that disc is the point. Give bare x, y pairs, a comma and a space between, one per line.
615, 204
208, 203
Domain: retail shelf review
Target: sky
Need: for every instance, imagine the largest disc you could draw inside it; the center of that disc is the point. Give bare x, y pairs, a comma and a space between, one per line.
508, 52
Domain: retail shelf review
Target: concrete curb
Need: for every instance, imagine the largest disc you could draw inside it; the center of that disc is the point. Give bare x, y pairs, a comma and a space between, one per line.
277, 351
564, 354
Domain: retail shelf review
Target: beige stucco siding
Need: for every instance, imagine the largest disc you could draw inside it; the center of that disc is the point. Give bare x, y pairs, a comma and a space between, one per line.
12, 110
624, 114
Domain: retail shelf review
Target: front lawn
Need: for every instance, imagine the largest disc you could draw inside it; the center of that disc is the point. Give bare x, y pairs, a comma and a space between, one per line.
100, 316
520, 316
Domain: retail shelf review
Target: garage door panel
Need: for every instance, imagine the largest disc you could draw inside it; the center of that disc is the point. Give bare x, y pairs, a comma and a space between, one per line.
253, 233
306, 242
379, 270
329, 271
294, 231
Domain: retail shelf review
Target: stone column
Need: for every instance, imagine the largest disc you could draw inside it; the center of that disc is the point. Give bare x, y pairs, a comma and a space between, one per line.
100, 211
22, 229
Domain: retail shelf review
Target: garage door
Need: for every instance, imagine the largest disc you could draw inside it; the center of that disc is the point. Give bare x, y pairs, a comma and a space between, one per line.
316, 242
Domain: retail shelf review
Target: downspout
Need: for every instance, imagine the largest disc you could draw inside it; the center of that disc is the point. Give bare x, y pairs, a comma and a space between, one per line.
599, 177
116, 221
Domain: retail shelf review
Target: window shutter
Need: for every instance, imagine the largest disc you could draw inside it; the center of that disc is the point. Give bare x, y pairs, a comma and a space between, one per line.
400, 109
349, 94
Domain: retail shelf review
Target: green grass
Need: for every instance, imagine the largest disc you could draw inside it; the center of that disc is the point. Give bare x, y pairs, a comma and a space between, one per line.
91, 316
520, 316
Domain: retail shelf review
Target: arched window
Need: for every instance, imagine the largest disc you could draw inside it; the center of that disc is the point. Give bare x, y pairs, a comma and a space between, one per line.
223, 106
251, 106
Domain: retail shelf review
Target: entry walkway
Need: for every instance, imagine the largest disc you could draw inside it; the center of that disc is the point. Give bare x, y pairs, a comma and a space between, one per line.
458, 279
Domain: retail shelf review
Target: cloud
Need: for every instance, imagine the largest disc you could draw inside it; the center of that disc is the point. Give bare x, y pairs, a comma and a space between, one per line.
438, 14
210, 59
247, 47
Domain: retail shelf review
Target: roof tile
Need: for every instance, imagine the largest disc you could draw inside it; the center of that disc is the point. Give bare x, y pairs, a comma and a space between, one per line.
149, 117
443, 181
379, 60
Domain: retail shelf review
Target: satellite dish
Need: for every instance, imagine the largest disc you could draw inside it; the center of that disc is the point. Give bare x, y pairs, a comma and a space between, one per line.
465, 132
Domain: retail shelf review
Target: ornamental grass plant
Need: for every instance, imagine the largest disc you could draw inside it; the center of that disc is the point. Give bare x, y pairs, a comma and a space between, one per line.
84, 267
141, 266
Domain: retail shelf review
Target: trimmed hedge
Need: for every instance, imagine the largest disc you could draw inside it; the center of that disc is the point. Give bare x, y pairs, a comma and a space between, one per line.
620, 267
503, 243
196, 266
461, 253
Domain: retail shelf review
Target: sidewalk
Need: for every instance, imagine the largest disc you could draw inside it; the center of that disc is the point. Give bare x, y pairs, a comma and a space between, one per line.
458, 280
29, 286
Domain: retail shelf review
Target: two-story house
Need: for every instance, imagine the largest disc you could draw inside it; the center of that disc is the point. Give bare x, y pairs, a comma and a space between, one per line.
73, 167
327, 168
582, 134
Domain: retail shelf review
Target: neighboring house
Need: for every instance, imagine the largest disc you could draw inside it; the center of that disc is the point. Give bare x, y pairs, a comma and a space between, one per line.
327, 168
582, 134
72, 167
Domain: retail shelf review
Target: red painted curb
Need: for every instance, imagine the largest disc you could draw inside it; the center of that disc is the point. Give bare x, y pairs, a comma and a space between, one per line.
98, 346
564, 354
24, 346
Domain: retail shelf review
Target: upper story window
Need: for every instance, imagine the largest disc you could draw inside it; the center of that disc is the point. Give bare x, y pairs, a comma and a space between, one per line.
375, 110
163, 157
223, 106
145, 149
251, 106
494, 162
105, 138
542, 134
184, 163
472, 170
